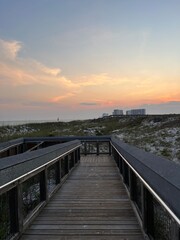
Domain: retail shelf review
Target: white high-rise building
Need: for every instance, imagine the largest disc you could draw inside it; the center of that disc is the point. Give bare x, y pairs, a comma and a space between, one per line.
136, 112
117, 112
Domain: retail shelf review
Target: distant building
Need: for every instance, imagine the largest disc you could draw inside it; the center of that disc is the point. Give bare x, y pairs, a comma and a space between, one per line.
117, 112
105, 115
136, 112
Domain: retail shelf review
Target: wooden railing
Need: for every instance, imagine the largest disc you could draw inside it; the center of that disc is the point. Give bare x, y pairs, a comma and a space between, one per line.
10, 148
32, 178
153, 183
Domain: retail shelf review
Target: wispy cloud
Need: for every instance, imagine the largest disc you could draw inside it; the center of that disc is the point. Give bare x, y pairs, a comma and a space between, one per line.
20, 71
58, 99
101, 79
89, 103
10, 49
44, 69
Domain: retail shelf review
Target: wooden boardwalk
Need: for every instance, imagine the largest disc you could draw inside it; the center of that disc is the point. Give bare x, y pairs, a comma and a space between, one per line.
92, 204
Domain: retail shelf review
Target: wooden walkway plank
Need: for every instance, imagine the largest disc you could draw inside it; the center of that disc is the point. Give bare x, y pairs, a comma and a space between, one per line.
92, 204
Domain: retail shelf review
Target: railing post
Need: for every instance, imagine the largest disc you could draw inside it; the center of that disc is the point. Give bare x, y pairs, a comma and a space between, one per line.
144, 209
113, 150
74, 157
13, 205
125, 173
120, 164
58, 172
131, 184
97, 144
66, 164
8, 152
71, 160
110, 149
79, 154
117, 161
62, 164
43, 186
21, 148
85, 148
20, 207
24, 147
116, 157
17, 149
147, 212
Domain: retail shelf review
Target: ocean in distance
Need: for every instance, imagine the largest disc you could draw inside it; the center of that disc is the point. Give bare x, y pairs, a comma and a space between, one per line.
22, 122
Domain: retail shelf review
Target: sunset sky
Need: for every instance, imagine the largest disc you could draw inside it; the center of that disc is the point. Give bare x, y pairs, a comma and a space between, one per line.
77, 59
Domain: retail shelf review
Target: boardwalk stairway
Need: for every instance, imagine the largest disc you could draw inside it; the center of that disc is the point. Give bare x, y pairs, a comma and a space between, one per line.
92, 204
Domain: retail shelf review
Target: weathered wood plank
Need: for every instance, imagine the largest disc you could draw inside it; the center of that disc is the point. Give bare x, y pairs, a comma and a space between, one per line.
128, 232
75, 232
84, 227
81, 237
91, 204
90, 218
81, 222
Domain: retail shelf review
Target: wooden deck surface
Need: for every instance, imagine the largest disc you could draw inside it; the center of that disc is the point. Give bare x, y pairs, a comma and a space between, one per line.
92, 204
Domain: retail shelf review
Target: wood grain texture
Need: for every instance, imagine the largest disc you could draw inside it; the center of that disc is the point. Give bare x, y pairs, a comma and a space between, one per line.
92, 204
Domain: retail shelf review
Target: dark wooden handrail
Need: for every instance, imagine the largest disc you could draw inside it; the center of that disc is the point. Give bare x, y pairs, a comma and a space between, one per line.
157, 181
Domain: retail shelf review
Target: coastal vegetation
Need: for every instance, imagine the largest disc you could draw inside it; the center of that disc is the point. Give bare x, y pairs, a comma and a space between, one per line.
159, 134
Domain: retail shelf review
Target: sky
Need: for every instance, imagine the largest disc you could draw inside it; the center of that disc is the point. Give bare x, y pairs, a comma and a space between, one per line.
78, 59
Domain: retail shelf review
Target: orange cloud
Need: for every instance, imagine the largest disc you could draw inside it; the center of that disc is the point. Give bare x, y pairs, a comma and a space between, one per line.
22, 71
60, 98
